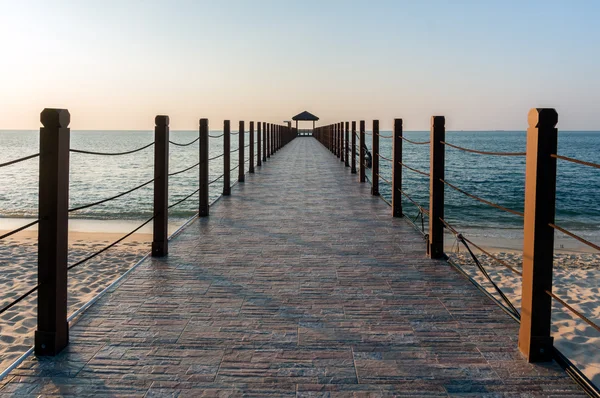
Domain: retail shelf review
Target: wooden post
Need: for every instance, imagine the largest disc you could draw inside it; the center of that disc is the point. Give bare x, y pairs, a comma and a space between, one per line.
160, 242
52, 333
361, 157
268, 140
204, 167
251, 153
338, 139
227, 158
346, 145
341, 148
272, 139
241, 152
258, 144
353, 160
435, 247
264, 154
535, 341
375, 160
397, 169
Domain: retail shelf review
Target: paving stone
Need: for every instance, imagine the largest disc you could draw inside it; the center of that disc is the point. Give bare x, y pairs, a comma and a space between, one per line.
298, 284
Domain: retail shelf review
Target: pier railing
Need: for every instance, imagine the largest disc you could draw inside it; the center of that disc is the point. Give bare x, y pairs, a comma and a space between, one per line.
51, 334
535, 339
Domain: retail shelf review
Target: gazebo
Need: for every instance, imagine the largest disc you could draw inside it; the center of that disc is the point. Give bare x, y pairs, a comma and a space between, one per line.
305, 117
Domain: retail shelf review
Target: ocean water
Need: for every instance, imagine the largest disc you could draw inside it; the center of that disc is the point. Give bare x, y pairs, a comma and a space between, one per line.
498, 179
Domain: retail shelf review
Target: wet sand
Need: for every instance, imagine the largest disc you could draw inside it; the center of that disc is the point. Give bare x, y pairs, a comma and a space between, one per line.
18, 273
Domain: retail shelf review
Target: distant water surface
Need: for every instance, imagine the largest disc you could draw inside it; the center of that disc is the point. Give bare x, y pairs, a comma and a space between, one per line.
498, 179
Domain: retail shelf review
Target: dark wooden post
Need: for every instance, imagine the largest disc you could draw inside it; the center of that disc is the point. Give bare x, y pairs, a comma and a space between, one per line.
160, 242
264, 155
52, 333
204, 167
535, 341
268, 140
258, 144
227, 158
397, 169
346, 145
353, 160
436, 187
375, 160
361, 158
251, 153
341, 147
272, 139
338, 153
241, 152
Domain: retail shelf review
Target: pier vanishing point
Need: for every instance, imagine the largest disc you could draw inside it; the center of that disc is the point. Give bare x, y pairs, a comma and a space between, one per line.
300, 282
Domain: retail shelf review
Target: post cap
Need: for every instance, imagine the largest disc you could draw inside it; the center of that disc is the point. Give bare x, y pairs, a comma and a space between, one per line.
203, 122
438, 121
542, 117
51, 117
398, 122
161, 120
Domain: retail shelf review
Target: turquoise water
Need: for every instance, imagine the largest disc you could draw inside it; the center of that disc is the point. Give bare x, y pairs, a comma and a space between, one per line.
498, 179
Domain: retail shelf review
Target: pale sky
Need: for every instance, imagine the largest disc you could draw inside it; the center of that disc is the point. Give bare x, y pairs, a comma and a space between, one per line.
481, 63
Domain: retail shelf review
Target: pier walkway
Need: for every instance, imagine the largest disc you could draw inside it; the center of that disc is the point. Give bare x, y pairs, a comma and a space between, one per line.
299, 284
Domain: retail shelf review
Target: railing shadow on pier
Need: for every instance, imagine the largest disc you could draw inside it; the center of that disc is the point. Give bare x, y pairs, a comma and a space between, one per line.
52, 332
535, 339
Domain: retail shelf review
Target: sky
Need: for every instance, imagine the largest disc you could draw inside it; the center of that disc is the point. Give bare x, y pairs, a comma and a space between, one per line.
481, 63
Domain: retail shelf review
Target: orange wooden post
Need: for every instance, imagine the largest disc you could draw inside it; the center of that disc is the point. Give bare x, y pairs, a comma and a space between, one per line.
204, 168
535, 340
160, 242
435, 247
353, 160
226, 158
397, 169
251, 152
375, 160
52, 333
361, 158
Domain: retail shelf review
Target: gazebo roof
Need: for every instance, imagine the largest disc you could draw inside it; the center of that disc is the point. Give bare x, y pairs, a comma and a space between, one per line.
305, 116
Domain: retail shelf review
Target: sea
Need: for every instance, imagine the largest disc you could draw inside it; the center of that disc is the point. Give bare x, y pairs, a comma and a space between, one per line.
495, 178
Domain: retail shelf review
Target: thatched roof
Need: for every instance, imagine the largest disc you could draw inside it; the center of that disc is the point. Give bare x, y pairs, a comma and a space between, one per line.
305, 116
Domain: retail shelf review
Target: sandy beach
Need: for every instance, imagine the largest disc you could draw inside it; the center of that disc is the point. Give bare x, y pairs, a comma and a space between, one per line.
18, 272
576, 280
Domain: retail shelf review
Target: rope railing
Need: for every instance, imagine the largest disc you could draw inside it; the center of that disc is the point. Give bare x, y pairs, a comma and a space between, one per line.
384, 179
216, 136
186, 144
184, 199
235, 150
121, 239
574, 311
574, 236
385, 158
216, 179
234, 168
19, 299
19, 160
184, 170
484, 152
415, 170
487, 202
421, 209
385, 200
572, 160
511, 308
385, 136
21, 228
111, 153
216, 157
111, 198
415, 142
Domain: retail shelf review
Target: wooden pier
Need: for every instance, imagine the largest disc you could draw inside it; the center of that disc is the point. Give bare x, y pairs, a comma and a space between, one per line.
300, 283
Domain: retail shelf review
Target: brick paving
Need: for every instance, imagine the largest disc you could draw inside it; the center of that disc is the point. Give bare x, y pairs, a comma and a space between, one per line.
299, 284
